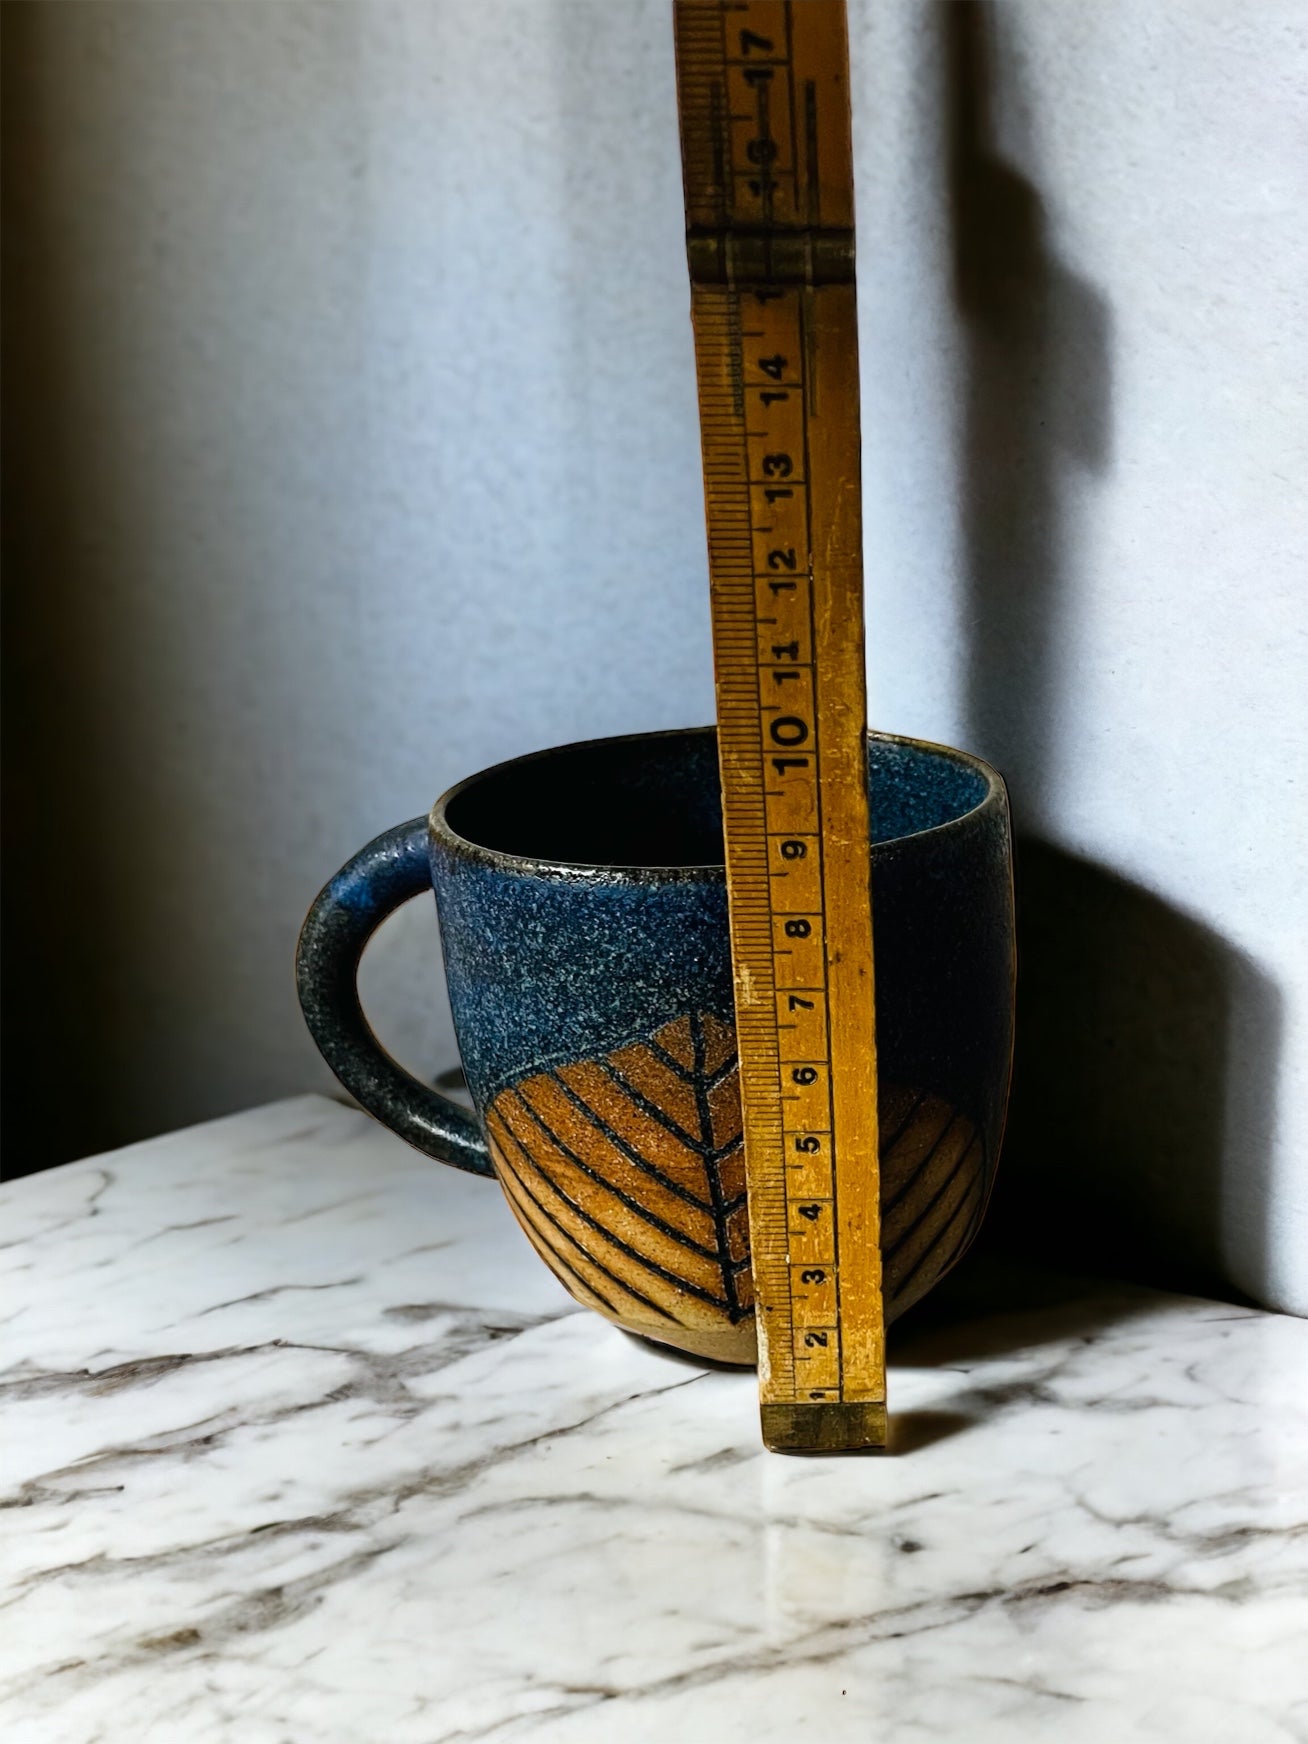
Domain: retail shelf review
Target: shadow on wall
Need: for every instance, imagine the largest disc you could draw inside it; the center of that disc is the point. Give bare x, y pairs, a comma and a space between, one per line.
52, 1076
1037, 403
1145, 1078
1145, 1073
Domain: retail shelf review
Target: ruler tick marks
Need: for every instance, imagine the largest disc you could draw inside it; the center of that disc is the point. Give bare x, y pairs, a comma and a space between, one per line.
769, 214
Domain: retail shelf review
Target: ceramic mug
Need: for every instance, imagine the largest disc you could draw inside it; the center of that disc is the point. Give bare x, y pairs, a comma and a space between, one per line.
583, 914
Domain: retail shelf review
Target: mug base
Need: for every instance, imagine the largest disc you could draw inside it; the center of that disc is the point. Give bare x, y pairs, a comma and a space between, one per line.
736, 1346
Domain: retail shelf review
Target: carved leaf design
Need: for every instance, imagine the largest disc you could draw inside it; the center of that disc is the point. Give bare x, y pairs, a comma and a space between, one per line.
933, 1189
627, 1175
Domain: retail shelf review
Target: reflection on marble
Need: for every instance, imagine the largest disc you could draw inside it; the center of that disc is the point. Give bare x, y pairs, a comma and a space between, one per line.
300, 1442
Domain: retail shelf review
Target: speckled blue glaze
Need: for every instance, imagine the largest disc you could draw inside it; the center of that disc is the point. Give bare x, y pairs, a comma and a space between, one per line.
914, 787
544, 970
582, 905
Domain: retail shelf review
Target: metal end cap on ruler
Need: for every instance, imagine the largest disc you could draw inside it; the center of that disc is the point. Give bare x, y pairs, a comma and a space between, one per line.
835, 1427
770, 257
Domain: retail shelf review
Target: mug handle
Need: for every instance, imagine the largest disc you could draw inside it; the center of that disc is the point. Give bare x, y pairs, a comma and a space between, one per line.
347, 913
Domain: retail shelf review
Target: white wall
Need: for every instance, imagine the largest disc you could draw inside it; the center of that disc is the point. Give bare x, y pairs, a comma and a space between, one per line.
359, 451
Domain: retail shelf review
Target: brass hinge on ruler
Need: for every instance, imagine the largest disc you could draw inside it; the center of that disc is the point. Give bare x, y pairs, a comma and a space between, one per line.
763, 87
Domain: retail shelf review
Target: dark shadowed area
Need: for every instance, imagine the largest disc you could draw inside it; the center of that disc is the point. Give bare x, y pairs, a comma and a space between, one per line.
1147, 1045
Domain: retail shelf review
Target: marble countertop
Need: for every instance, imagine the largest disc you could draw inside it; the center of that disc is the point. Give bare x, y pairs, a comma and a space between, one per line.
299, 1441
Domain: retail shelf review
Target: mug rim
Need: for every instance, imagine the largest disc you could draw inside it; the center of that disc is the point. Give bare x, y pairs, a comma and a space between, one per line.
440, 830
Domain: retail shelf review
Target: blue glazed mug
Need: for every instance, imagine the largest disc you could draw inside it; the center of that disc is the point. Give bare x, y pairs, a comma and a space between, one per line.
583, 914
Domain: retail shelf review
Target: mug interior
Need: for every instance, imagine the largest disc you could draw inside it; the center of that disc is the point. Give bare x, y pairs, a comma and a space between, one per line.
652, 800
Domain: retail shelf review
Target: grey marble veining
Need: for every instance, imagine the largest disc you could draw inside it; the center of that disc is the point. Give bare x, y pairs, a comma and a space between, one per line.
300, 1442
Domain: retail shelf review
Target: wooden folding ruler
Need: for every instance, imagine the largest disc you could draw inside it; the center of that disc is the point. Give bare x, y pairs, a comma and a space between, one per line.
764, 97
